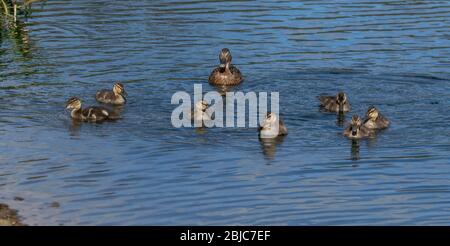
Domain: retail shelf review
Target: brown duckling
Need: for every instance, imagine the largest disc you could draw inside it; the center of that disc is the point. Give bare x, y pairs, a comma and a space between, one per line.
272, 127
226, 74
93, 114
356, 130
338, 103
116, 96
374, 119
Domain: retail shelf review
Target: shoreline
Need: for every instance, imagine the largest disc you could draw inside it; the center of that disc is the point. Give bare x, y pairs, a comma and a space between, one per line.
8, 216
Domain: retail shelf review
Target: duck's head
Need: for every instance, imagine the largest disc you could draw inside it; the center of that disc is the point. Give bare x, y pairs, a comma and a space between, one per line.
202, 105
225, 57
73, 103
341, 99
355, 125
372, 113
119, 89
271, 118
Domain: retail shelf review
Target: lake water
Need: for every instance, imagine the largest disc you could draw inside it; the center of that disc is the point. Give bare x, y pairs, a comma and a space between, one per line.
142, 171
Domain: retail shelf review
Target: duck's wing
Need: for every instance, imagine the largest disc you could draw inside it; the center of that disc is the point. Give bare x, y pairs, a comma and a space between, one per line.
212, 77
347, 106
100, 113
382, 121
324, 100
221, 76
282, 129
105, 95
328, 102
236, 73
365, 132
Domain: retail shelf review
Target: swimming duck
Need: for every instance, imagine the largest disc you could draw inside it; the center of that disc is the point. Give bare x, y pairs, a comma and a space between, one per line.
198, 113
338, 103
272, 127
356, 130
94, 114
374, 119
225, 74
116, 96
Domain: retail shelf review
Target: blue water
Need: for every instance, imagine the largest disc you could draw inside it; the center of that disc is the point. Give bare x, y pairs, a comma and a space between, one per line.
142, 171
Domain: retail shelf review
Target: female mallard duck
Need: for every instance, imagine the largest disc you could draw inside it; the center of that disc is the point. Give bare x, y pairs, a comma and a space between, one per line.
375, 120
272, 127
338, 103
198, 113
115, 96
94, 114
226, 74
356, 130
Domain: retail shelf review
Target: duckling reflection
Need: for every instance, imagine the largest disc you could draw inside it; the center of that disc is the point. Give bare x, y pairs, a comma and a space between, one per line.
374, 119
340, 119
225, 74
356, 130
272, 127
116, 96
269, 146
91, 114
338, 103
74, 127
355, 150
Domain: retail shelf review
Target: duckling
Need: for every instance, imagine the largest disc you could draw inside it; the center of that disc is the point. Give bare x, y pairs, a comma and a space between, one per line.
226, 74
338, 103
116, 96
374, 119
356, 130
94, 114
198, 113
272, 127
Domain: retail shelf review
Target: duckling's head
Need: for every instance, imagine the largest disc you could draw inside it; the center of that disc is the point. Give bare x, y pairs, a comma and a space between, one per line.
372, 113
119, 89
341, 99
73, 103
271, 118
355, 125
202, 105
225, 57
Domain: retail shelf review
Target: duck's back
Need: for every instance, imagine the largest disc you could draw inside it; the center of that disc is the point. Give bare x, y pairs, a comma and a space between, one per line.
328, 102
104, 96
221, 76
99, 114
282, 129
382, 122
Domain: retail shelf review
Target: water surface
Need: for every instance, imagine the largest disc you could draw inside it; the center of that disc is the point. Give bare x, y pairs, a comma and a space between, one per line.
142, 171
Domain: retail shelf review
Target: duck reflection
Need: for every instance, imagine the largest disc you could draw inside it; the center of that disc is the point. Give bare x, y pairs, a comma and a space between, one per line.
223, 89
340, 119
355, 150
74, 127
269, 146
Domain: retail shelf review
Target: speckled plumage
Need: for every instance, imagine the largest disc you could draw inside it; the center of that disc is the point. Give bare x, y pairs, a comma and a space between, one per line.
225, 74
338, 103
355, 130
